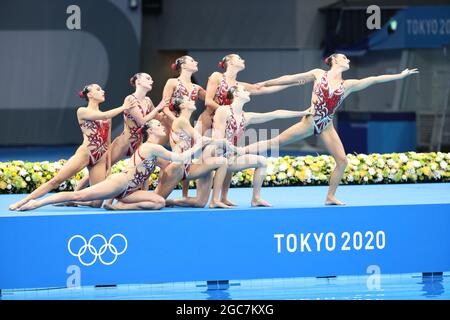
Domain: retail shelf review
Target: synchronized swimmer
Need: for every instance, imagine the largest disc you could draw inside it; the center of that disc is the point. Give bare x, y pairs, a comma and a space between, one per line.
208, 153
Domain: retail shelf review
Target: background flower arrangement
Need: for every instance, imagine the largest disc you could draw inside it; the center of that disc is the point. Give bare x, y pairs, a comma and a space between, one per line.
410, 167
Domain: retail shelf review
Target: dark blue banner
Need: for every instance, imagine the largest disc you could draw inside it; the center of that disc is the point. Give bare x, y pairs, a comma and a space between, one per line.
414, 27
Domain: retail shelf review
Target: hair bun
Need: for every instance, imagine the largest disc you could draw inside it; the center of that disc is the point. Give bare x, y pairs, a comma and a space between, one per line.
221, 64
132, 81
81, 94
173, 66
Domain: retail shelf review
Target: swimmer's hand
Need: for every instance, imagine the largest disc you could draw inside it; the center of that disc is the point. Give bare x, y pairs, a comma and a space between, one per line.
408, 72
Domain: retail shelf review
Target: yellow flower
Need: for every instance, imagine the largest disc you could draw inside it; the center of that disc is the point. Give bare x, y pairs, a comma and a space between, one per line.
291, 172
301, 175
426, 171
249, 171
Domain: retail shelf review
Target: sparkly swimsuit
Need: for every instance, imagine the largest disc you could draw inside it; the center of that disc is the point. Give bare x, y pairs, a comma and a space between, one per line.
181, 92
233, 130
135, 134
183, 140
142, 172
327, 103
180, 137
221, 95
97, 132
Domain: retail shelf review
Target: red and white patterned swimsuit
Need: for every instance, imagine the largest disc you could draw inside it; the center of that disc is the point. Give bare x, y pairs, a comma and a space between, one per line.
327, 103
181, 92
233, 130
97, 132
135, 133
183, 140
142, 173
221, 94
222, 91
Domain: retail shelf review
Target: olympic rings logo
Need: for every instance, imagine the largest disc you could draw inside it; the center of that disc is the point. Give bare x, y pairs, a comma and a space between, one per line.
97, 254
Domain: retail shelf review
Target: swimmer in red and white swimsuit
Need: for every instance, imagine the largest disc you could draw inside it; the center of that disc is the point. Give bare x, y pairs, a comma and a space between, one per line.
183, 135
141, 173
97, 134
126, 186
130, 139
183, 88
183, 141
96, 128
234, 132
230, 122
330, 89
326, 104
218, 86
133, 125
216, 95
221, 95
126, 143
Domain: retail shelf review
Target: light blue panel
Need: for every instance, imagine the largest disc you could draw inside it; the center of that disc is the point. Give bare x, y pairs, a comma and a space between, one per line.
238, 244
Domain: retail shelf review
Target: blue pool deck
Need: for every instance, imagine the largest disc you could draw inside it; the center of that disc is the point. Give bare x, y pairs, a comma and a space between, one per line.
286, 197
